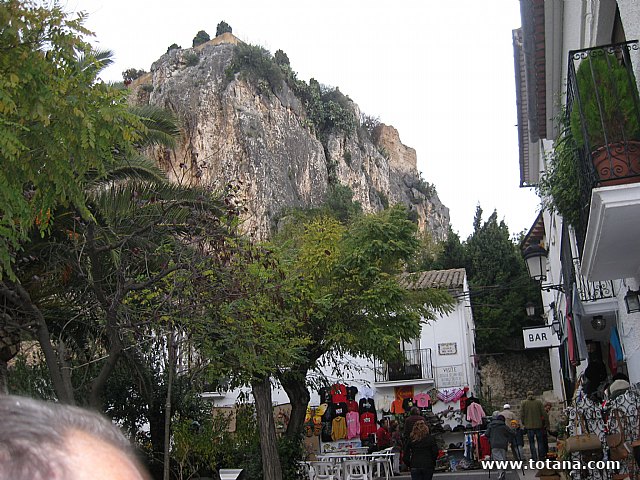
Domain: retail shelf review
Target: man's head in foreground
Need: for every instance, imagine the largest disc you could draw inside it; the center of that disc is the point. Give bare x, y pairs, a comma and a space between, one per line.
49, 441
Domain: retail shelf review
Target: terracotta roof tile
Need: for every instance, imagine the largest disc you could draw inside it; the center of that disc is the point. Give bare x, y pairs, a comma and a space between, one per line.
450, 279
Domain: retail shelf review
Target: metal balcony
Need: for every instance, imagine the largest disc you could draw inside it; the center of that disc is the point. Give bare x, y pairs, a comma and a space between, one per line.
603, 113
416, 365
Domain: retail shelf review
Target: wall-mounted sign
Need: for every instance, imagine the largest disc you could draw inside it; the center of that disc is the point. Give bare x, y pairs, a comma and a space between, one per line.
539, 337
451, 376
448, 348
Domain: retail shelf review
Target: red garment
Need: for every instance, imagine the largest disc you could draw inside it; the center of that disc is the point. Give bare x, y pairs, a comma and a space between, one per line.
396, 406
383, 438
367, 425
485, 446
352, 406
338, 393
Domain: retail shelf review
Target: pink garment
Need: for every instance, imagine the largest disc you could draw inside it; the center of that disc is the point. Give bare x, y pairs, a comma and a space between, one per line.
422, 400
475, 414
353, 425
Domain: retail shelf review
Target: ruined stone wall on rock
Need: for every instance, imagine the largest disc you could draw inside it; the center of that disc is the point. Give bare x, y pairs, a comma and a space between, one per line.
235, 130
507, 378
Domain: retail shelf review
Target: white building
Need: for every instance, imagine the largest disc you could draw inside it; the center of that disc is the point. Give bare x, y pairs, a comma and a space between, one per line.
590, 266
442, 358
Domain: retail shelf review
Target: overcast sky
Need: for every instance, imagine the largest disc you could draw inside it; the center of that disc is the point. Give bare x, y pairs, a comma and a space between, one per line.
440, 72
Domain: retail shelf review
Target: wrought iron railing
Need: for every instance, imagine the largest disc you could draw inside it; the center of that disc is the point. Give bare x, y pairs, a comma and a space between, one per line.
572, 274
415, 365
603, 113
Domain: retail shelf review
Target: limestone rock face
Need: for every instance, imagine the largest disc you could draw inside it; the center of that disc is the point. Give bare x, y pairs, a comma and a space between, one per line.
243, 133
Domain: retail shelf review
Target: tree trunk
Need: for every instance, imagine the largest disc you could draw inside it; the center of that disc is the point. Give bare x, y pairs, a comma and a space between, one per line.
4, 378
295, 386
167, 407
271, 468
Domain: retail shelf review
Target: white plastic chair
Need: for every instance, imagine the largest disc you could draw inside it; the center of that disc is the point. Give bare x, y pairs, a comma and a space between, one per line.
357, 470
382, 467
322, 471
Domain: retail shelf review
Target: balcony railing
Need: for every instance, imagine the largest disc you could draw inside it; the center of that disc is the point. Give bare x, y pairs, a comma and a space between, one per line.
416, 365
571, 274
603, 116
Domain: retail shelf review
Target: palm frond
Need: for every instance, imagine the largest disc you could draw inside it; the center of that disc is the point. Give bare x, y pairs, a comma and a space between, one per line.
161, 126
95, 60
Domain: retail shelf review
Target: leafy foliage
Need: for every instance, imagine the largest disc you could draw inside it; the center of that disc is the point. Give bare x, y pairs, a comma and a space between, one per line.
281, 58
200, 38
499, 283
173, 46
57, 120
560, 185
255, 63
131, 74
607, 100
223, 27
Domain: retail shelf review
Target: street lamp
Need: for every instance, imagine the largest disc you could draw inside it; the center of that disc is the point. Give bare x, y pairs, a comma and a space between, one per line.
536, 258
632, 301
531, 309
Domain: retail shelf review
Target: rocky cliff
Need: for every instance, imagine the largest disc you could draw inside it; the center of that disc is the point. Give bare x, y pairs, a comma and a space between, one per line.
242, 131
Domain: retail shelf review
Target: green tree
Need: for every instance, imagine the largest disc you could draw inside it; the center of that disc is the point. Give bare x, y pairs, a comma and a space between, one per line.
346, 293
173, 46
254, 335
281, 58
57, 119
131, 74
200, 38
499, 283
223, 27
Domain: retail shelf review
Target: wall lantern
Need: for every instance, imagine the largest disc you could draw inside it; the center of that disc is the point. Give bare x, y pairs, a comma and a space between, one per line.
531, 309
536, 259
555, 325
556, 329
632, 301
598, 322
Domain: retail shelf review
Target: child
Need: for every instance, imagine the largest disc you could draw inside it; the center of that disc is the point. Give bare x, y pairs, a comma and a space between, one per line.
518, 442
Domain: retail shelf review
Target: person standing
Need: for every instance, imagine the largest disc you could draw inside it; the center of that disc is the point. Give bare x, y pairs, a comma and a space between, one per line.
499, 436
410, 421
421, 452
383, 435
508, 414
532, 416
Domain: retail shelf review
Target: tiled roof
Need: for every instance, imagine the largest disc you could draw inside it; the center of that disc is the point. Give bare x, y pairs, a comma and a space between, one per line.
450, 279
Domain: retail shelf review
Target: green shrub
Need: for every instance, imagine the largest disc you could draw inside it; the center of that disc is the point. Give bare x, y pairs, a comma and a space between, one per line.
254, 63
200, 38
191, 59
223, 27
281, 58
347, 157
559, 186
131, 74
173, 46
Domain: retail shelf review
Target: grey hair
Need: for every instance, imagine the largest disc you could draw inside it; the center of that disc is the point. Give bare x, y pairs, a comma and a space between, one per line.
34, 433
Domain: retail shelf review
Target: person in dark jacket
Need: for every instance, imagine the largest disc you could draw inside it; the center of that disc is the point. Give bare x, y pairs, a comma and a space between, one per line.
499, 436
410, 421
421, 452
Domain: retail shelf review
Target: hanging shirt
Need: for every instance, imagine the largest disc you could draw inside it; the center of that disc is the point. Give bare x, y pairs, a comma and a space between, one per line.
338, 393
422, 400
367, 405
353, 424
396, 406
475, 414
351, 393
367, 425
352, 406
338, 428
407, 404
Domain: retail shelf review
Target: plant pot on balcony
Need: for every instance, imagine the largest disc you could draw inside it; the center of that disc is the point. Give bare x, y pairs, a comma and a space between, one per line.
617, 163
604, 116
